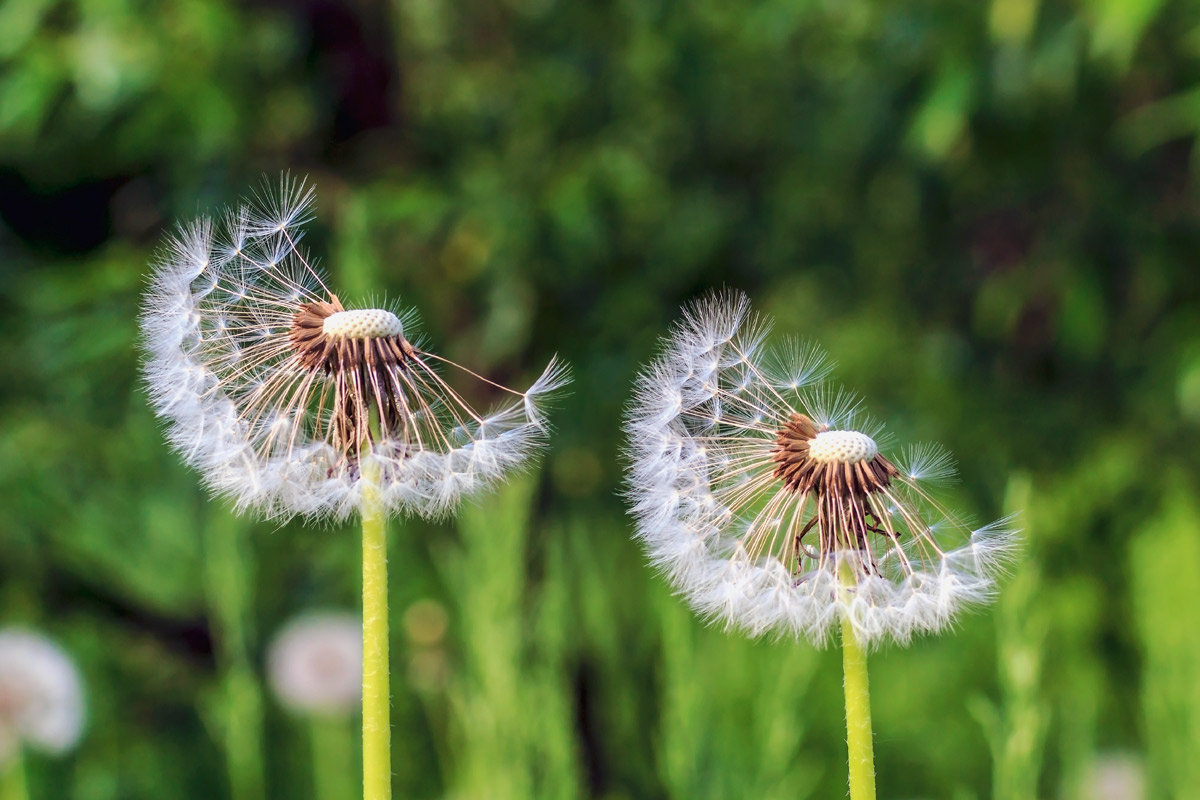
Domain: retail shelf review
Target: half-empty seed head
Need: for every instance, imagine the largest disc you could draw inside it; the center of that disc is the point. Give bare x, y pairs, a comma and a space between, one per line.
808, 459
366, 355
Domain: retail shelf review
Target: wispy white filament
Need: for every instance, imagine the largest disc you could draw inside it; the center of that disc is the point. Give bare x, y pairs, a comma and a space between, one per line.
241, 409
714, 518
41, 695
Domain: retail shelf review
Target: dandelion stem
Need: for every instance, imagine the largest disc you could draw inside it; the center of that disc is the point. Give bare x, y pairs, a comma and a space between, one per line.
376, 722
858, 708
12, 780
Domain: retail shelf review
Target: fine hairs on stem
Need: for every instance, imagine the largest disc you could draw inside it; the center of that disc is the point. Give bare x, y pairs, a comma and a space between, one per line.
860, 747
376, 703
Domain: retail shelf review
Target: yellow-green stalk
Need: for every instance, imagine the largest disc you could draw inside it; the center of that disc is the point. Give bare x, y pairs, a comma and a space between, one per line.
376, 703
859, 745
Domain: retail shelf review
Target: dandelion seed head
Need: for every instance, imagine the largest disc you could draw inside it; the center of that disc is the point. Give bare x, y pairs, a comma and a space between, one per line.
768, 499
277, 392
315, 663
1115, 776
41, 695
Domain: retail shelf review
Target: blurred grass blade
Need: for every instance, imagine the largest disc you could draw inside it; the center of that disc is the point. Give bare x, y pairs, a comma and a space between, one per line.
229, 571
733, 715
1165, 559
13, 785
1016, 728
512, 726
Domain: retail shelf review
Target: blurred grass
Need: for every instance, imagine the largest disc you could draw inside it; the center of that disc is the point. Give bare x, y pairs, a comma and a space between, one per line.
510, 708
1165, 562
733, 716
235, 709
1016, 726
987, 213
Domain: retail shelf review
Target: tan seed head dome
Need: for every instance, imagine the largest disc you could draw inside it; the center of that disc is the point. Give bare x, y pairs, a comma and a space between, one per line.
366, 323
842, 447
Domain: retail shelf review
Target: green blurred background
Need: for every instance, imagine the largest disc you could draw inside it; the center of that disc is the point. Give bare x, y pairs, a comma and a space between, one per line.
987, 211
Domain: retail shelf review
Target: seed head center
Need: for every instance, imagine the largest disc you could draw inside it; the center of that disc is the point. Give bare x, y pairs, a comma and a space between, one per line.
366, 323
841, 447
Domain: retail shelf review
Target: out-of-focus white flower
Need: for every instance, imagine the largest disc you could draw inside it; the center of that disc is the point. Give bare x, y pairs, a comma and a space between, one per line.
41, 695
1116, 776
768, 502
315, 663
279, 395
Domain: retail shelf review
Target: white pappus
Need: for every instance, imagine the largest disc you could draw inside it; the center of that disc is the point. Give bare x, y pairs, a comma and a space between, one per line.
41, 695
769, 503
280, 395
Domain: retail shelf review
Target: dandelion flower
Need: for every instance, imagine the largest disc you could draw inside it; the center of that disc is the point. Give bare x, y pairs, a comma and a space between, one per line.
315, 663
41, 695
1115, 776
769, 502
282, 397
289, 403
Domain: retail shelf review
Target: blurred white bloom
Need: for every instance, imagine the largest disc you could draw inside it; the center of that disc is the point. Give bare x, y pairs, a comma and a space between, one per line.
41, 695
769, 503
315, 663
1116, 776
277, 393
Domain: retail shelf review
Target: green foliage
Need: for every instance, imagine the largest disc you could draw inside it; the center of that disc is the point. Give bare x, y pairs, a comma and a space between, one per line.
1016, 729
732, 718
509, 701
1165, 562
985, 211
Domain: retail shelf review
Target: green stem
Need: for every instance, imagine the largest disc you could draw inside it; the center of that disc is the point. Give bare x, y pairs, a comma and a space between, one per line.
376, 722
331, 757
858, 707
858, 716
12, 780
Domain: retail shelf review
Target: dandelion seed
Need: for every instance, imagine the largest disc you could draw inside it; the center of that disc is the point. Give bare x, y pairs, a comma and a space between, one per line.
41, 696
771, 504
278, 393
315, 663
290, 403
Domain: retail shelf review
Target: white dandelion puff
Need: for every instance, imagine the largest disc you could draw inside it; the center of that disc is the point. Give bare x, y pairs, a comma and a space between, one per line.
1115, 776
768, 500
315, 663
278, 393
41, 695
